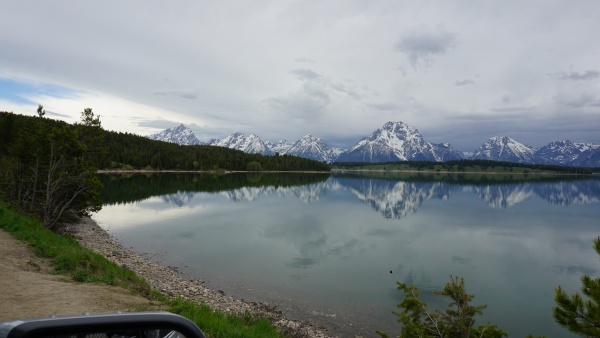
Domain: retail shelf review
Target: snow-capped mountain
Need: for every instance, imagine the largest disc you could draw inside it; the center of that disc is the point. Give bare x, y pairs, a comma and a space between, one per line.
559, 152
397, 141
313, 148
180, 135
251, 144
502, 148
588, 158
569, 153
280, 146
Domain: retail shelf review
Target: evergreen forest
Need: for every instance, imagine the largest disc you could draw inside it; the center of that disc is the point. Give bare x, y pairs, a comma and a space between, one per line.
48, 168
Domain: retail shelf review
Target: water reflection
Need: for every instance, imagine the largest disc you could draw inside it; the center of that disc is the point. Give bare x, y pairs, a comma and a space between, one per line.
392, 198
342, 241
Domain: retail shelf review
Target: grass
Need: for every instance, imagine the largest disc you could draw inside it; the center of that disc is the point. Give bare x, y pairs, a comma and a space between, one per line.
217, 324
83, 265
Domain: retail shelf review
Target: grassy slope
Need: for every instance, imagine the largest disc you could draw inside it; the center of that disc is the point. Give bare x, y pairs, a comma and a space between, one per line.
83, 265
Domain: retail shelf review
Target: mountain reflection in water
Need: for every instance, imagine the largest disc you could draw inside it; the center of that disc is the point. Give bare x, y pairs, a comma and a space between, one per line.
391, 198
312, 244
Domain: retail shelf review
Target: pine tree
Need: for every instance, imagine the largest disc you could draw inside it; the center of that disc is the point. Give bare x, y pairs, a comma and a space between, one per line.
580, 314
457, 321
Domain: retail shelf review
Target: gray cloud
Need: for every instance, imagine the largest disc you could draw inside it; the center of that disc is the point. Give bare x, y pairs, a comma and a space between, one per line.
304, 60
352, 92
513, 109
423, 45
384, 106
576, 76
50, 113
582, 101
307, 102
182, 93
240, 67
464, 82
313, 97
305, 74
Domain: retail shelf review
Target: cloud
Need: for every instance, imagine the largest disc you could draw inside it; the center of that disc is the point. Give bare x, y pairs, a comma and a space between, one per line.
182, 93
384, 106
50, 113
464, 82
575, 76
304, 60
313, 97
582, 101
305, 74
513, 109
25, 91
423, 45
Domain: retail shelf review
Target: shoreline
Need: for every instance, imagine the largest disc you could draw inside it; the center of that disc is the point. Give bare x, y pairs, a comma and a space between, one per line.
171, 283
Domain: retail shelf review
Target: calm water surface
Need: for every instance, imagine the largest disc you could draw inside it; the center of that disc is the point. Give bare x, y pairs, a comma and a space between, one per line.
329, 249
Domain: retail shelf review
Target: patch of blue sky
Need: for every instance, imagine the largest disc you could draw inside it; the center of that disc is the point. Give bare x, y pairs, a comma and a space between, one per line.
20, 91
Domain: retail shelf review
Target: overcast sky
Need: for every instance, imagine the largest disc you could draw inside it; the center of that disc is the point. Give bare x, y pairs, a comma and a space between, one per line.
459, 71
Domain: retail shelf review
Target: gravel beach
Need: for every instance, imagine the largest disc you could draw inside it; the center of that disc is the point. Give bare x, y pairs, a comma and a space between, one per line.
169, 282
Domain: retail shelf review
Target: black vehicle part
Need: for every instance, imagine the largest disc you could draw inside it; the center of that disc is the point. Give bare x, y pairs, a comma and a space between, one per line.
114, 325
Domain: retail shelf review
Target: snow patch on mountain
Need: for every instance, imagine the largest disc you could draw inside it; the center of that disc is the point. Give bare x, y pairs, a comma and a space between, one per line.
502, 148
180, 135
314, 148
397, 141
280, 147
251, 144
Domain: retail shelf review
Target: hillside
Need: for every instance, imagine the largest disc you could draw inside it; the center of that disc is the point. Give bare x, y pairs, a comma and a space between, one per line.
128, 151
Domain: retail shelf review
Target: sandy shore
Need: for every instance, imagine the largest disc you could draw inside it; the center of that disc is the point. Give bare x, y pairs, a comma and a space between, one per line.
169, 282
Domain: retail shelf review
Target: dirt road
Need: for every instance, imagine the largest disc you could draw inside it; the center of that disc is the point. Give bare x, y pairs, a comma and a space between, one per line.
29, 290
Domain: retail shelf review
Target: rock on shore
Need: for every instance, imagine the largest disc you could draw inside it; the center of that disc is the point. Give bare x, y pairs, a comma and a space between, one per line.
168, 282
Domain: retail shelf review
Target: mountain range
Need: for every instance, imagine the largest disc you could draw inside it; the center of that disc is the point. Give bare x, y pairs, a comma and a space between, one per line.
397, 141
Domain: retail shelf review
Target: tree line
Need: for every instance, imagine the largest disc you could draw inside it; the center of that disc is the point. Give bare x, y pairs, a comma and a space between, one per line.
462, 165
127, 150
48, 168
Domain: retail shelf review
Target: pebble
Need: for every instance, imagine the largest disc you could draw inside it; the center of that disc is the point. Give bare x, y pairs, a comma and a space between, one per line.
168, 281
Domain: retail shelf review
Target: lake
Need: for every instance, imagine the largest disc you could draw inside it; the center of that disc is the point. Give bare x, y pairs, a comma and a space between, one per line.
330, 248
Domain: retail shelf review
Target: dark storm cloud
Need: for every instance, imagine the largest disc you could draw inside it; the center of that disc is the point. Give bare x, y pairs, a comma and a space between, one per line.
464, 82
576, 76
423, 45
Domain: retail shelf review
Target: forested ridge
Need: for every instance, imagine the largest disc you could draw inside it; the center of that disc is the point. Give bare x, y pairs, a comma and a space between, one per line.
130, 151
48, 168
465, 166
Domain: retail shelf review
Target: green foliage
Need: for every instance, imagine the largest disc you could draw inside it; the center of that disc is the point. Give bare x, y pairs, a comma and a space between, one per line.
486, 166
103, 148
580, 314
46, 170
457, 321
83, 265
216, 324
67, 255
254, 166
140, 152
